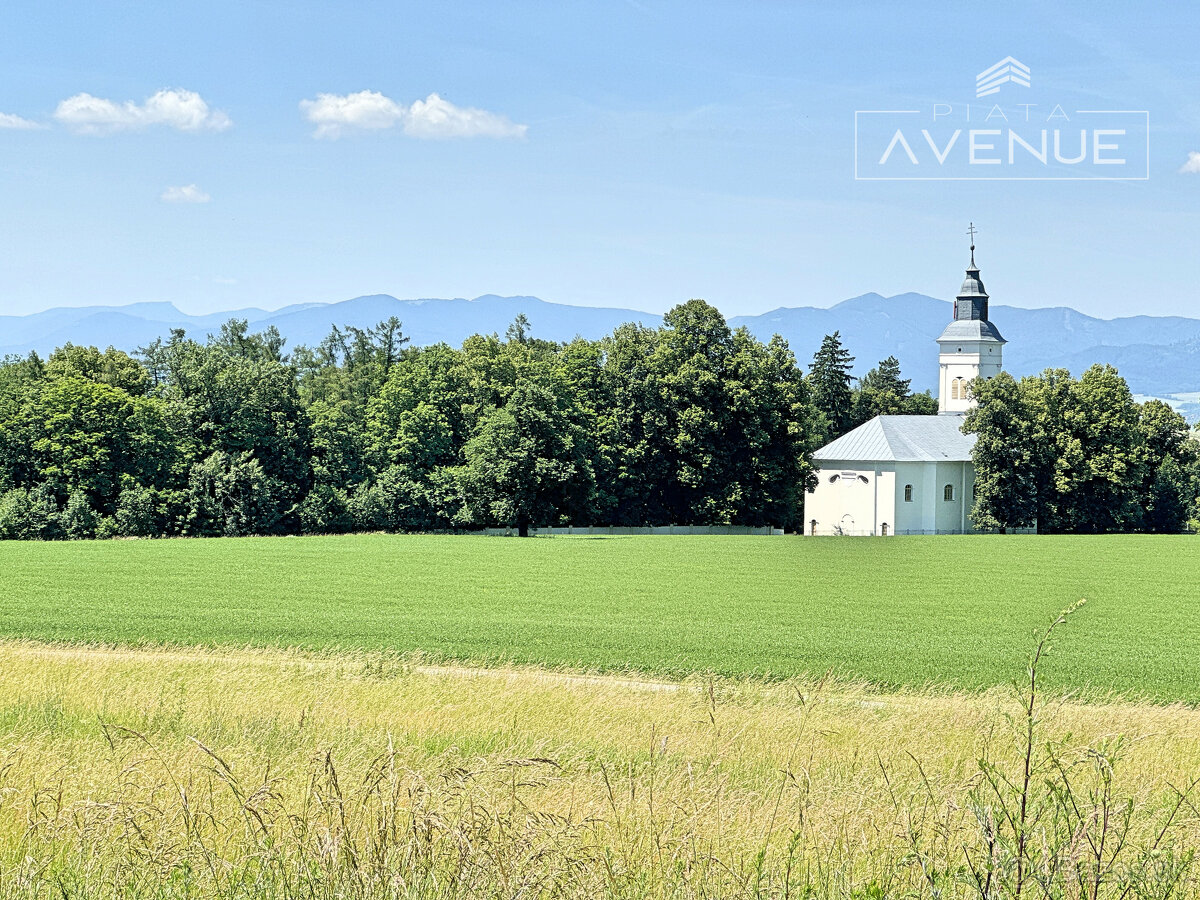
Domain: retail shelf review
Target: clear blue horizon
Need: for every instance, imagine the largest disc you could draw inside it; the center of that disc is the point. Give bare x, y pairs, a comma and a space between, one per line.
218, 156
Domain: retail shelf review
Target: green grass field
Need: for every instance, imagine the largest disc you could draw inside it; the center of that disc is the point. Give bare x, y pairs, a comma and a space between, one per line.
956, 611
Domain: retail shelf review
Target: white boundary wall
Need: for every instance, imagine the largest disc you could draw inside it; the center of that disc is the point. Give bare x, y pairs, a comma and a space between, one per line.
601, 530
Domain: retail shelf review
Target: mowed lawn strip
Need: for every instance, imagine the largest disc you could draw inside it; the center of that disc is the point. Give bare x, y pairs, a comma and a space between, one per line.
954, 611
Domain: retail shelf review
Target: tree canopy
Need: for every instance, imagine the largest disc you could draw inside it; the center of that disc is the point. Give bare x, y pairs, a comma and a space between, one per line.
693, 422
1079, 455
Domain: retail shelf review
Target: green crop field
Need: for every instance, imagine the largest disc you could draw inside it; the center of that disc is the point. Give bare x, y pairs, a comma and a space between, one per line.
956, 611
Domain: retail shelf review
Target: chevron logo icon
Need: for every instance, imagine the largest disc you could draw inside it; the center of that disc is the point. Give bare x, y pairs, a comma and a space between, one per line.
1007, 70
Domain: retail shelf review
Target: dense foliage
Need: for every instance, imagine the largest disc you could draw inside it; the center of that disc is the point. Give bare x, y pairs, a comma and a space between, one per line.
1080, 456
690, 423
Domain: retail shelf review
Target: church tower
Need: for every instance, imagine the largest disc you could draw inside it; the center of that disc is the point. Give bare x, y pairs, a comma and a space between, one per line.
970, 347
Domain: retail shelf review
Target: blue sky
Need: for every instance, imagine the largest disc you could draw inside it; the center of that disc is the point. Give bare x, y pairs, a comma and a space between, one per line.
609, 154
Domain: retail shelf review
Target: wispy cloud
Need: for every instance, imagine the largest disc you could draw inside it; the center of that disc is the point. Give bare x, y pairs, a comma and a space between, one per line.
430, 119
188, 193
16, 123
434, 117
1192, 166
178, 109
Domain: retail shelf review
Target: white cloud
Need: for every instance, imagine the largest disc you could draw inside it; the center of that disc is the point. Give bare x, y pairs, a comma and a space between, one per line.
1192, 166
434, 117
179, 109
431, 118
188, 193
16, 123
334, 114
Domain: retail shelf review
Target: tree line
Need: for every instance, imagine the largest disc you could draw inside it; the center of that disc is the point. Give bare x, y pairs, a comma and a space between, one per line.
1080, 455
689, 423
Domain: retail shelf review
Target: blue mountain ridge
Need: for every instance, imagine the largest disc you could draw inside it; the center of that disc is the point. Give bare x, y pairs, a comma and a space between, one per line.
1157, 355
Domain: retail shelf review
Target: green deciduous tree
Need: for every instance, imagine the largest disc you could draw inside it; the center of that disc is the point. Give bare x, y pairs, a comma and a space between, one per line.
231, 495
1098, 463
238, 396
524, 464
1171, 466
30, 515
111, 367
351, 364
1079, 456
137, 513
77, 518
632, 457
82, 438
326, 510
20, 383
1006, 483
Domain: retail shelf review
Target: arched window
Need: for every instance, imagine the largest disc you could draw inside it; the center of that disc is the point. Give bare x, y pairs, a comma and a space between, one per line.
883, 529
948, 493
908, 493
954, 389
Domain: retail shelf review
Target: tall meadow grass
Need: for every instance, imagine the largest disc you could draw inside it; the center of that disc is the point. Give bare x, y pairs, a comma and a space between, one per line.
278, 774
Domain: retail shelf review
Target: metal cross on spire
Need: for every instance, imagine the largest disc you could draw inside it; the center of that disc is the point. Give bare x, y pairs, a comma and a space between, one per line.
972, 231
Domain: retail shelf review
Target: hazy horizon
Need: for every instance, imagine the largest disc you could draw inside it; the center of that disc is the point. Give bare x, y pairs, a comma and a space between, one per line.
615, 305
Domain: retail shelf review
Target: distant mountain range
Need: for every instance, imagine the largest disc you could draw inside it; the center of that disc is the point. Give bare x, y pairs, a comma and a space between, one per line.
1158, 356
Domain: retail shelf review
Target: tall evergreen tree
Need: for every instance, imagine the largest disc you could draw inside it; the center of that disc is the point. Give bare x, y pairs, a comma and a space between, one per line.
886, 378
881, 392
829, 381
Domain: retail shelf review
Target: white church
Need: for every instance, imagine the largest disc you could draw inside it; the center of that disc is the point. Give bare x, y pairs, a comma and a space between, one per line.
913, 474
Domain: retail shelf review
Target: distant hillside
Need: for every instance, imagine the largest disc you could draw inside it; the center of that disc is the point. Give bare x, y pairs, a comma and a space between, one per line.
1157, 355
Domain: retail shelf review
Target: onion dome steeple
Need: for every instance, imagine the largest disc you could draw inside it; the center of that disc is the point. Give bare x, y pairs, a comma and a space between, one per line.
971, 346
971, 307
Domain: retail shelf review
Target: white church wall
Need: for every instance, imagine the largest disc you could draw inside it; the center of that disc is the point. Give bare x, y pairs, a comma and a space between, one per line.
911, 514
821, 504
850, 499
929, 498
949, 512
885, 486
929, 512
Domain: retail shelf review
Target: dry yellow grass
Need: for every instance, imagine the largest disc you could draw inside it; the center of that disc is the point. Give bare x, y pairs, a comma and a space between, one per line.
272, 773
